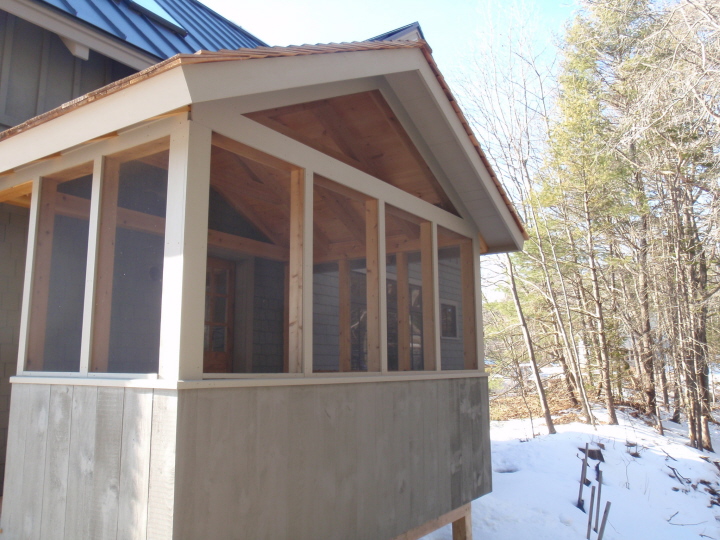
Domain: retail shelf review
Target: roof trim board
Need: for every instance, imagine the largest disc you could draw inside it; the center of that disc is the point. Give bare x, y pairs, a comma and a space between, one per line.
261, 77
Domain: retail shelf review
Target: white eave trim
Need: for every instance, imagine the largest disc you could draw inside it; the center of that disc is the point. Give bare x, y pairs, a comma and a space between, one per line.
79, 33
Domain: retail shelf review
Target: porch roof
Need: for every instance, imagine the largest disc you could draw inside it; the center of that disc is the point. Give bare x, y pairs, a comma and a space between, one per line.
484, 208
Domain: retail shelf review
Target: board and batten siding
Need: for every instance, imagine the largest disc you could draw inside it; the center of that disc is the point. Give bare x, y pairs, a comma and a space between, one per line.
353, 461
38, 72
88, 451
13, 245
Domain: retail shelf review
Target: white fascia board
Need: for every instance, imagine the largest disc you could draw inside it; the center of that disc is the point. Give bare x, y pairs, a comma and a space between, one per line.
155, 96
458, 135
219, 80
85, 35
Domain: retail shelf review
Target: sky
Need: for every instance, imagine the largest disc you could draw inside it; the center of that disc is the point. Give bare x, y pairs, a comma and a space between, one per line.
448, 25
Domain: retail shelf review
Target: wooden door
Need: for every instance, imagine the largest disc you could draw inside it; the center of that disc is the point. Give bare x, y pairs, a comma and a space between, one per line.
219, 319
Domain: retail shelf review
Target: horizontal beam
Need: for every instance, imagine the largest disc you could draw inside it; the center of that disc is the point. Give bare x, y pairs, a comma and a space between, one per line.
79, 208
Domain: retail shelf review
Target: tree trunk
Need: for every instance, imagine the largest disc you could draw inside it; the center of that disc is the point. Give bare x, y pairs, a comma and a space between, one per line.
530, 349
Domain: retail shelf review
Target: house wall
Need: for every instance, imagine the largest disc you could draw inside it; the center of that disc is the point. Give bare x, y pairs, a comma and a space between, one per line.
13, 242
39, 73
450, 287
268, 316
326, 317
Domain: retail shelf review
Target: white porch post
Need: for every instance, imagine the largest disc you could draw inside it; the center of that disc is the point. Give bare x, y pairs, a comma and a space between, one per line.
183, 291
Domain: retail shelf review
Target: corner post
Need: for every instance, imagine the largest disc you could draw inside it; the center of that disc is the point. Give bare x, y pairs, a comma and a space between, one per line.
183, 290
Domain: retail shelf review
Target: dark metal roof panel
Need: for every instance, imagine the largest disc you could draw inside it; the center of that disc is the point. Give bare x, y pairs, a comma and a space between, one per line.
206, 30
392, 35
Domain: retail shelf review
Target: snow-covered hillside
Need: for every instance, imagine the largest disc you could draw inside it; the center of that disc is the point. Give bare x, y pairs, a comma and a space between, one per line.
536, 482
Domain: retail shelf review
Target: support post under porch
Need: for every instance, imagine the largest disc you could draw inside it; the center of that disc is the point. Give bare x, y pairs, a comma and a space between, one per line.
461, 519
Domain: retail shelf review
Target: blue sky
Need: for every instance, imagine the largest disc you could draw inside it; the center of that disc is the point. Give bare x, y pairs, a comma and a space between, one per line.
449, 25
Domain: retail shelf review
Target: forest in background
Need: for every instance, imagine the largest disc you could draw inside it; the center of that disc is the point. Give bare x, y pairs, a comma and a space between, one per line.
608, 143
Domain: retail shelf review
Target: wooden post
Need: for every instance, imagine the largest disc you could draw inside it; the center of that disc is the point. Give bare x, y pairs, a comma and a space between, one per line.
477, 295
185, 263
382, 285
462, 528
604, 521
372, 264
470, 329
105, 265
344, 319
590, 512
597, 506
301, 259
24, 341
428, 249
296, 271
582, 479
403, 311
41, 275
461, 521
286, 319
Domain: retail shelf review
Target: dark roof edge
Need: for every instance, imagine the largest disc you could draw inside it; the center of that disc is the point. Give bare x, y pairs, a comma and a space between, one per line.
388, 36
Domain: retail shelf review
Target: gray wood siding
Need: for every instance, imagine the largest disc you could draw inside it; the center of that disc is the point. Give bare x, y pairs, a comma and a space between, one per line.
80, 463
352, 461
13, 245
38, 73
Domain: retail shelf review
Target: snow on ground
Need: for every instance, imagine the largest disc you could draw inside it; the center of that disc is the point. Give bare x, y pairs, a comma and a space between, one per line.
536, 482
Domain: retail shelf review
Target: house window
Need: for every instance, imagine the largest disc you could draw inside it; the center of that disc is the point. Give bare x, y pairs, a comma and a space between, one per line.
448, 320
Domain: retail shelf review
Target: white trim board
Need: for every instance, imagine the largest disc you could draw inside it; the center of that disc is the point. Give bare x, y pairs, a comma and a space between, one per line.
248, 381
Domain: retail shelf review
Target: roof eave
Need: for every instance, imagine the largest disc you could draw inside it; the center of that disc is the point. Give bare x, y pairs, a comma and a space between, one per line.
175, 88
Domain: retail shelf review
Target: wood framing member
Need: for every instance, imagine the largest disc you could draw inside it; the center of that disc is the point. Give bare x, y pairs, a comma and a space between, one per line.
105, 265
428, 244
10, 194
470, 329
286, 321
382, 292
403, 311
185, 261
372, 265
461, 519
24, 341
296, 270
477, 295
41, 276
91, 266
344, 319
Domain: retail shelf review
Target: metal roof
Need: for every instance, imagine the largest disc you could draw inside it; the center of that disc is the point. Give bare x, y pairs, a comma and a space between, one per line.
400, 33
161, 28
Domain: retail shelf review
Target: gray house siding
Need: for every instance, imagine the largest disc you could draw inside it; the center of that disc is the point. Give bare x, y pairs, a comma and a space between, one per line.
13, 241
38, 72
353, 461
